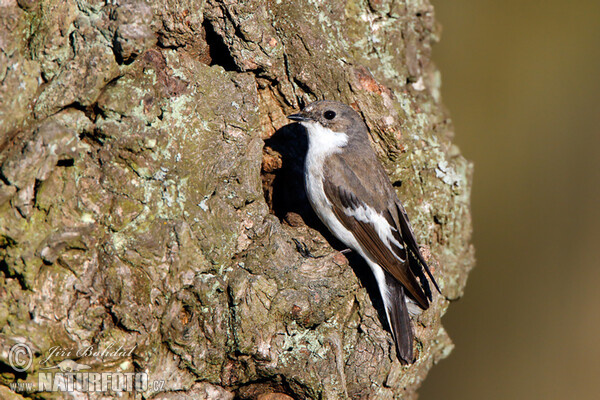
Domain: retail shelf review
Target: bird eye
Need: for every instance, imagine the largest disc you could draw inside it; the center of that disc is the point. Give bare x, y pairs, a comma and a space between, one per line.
329, 114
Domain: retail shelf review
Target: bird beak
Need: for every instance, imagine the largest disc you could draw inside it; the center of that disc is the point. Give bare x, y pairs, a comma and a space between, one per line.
299, 117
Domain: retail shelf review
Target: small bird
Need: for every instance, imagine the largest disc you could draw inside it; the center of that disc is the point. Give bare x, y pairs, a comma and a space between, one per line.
350, 192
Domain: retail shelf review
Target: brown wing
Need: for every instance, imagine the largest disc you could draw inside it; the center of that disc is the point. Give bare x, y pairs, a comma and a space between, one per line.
365, 233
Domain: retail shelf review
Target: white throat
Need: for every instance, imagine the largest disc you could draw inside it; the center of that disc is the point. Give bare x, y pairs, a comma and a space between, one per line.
323, 141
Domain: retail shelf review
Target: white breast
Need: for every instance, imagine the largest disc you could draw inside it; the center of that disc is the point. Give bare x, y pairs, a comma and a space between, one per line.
322, 143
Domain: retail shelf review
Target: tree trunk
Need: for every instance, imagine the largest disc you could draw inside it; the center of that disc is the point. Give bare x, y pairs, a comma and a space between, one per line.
151, 193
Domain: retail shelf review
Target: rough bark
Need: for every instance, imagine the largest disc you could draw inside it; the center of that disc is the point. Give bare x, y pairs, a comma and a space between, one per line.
140, 206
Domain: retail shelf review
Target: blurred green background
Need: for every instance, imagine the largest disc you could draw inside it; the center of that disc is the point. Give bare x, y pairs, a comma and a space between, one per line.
522, 81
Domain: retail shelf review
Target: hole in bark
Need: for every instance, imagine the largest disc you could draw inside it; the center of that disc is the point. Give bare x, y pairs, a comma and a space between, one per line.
303, 86
68, 162
283, 175
36, 188
7, 370
397, 183
217, 49
94, 137
12, 275
3, 178
91, 111
274, 386
5, 241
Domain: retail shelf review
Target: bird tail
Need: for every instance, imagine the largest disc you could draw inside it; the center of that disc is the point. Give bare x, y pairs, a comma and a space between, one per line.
397, 313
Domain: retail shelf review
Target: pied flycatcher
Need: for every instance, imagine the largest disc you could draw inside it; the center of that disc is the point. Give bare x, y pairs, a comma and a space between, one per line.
351, 193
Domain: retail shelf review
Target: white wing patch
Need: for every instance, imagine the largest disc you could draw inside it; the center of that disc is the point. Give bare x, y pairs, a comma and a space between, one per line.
368, 215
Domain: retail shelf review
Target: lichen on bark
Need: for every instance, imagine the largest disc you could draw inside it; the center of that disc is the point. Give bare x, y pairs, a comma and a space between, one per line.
150, 192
